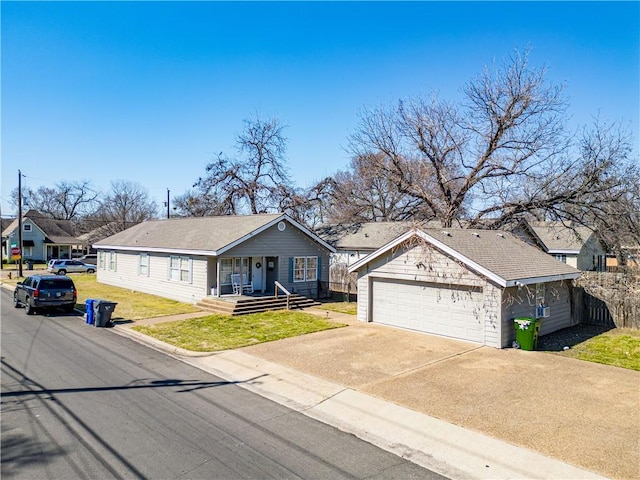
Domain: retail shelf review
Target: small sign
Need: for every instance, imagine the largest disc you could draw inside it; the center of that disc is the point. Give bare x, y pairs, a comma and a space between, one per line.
15, 252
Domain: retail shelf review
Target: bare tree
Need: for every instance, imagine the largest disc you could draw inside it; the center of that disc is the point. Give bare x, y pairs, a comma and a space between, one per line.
366, 193
65, 201
127, 204
500, 153
252, 181
197, 204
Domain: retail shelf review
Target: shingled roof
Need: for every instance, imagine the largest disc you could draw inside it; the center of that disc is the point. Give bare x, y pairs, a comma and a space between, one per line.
55, 231
557, 237
499, 256
204, 235
368, 236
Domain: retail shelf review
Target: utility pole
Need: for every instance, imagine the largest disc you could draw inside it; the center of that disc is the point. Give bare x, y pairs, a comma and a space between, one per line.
167, 203
20, 222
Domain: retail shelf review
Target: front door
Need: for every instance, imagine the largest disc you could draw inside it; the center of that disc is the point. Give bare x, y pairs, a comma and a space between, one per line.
271, 274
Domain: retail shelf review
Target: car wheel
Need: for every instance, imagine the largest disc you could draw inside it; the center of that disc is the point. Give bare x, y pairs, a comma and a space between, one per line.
28, 309
91, 270
69, 308
62, 272
16, 302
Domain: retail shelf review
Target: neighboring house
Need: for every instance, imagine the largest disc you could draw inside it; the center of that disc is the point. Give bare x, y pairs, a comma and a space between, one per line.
464, 284
576, 246
355, 241
43, 238
97, 234
187, 259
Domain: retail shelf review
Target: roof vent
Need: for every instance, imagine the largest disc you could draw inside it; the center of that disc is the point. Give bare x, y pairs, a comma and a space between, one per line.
475, 234
501, 235
444, 232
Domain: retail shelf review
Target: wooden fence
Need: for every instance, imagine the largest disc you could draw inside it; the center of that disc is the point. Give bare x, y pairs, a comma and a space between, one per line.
607, 299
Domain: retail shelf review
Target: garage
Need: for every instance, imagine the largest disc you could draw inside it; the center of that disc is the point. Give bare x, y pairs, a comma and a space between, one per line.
427, 307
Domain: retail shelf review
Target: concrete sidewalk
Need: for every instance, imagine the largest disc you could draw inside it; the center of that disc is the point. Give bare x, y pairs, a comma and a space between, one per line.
434, 401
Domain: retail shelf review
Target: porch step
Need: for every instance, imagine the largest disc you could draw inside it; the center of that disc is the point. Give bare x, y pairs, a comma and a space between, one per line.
244, 306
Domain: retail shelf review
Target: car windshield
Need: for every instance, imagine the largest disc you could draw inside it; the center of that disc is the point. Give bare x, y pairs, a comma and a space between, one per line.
56, 283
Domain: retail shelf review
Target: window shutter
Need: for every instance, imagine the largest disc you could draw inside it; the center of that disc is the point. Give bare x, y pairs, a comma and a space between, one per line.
319, 268
169, 268
190, 270
290, 269
139, 260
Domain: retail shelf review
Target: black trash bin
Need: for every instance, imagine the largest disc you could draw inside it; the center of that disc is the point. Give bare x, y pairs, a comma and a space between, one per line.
102, 310
29, 264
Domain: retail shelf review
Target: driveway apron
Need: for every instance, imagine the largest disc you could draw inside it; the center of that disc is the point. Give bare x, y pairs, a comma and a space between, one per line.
582, 413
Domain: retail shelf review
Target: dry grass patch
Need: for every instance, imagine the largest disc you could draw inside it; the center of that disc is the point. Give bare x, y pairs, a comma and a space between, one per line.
224, 332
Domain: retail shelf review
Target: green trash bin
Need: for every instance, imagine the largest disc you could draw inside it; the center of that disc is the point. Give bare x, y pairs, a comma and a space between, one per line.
527, 329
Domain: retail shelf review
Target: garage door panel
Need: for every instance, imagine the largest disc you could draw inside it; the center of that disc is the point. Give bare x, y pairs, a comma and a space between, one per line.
430, 308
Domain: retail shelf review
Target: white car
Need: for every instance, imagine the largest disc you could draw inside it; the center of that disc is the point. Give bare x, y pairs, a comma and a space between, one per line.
62, 267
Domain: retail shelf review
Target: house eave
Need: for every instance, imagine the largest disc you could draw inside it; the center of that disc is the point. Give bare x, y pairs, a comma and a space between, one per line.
546, 279
270, 224
141, 248
560, 251
439, 245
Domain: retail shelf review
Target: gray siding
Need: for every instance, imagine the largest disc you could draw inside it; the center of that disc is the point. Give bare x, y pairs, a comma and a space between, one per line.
157, 282
585, 258
521, 303
270, 243
422, 263
286, 245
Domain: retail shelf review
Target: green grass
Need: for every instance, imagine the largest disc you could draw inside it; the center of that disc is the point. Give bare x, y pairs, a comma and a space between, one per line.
131, 305
619, 347
224, 332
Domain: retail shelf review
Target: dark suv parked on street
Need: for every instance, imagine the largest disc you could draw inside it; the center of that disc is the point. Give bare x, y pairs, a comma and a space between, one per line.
45, 291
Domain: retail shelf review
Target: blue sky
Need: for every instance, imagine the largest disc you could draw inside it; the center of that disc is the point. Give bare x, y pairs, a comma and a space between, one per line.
150, 91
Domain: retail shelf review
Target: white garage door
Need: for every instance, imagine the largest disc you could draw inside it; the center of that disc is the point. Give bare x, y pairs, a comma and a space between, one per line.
442, 310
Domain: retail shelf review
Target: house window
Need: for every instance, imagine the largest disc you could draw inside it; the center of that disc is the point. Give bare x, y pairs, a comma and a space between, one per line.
26, 227
305, 269
599, 263
180, 269
561, 257
101, 260
143, 264
112, 261
233, 265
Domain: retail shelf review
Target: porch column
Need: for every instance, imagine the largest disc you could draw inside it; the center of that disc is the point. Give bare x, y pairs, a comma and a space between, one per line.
218, 286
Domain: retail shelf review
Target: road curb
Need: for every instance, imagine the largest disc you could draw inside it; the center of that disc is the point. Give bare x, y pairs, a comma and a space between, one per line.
157, 344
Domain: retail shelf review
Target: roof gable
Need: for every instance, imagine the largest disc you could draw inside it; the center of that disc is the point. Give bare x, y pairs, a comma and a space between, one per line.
556, 237
57, 231
207, 235
367, 236
499, 256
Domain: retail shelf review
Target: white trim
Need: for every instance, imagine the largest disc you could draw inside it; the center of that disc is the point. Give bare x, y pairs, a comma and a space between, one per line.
222, 250
177, 251
549, 278
564, 252
455, 254
270, 224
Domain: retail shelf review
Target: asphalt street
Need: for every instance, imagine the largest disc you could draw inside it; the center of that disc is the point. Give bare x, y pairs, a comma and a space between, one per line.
80, 402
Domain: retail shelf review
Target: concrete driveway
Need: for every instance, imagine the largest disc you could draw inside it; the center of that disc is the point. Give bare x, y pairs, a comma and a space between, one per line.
582, 413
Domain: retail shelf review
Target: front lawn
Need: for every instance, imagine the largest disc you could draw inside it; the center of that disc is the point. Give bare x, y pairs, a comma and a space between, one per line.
224, 332
619, 347
131, 305
350, 308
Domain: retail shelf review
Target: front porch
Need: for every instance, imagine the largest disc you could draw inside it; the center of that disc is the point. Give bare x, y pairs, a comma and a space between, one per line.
256, 303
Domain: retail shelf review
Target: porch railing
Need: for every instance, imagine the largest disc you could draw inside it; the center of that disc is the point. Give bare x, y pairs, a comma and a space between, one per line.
278, 286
